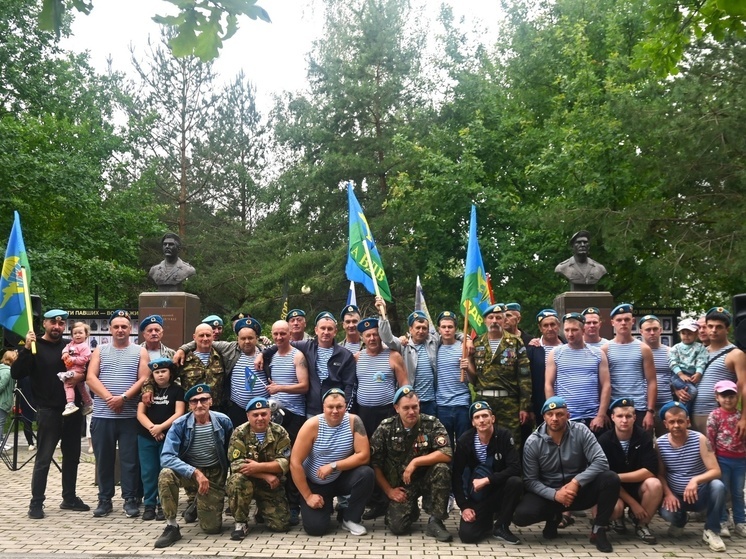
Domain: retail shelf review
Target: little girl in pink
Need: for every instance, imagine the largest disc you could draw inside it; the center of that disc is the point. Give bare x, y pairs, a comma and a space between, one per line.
76, 356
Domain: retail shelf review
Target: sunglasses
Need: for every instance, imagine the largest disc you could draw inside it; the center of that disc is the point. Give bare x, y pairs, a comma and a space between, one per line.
196, 401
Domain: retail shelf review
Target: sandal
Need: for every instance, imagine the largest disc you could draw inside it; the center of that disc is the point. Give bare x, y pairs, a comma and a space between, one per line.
567, 520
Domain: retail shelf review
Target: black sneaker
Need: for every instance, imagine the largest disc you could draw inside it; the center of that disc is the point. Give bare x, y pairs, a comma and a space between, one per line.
190, 513
259, 518
131, 510
503, 533
170, 535
550, 529
294, 517
36, 511
437, 530
374, 512
77, 505
148, 513
159, 515
104, 508
601, 540
240, 533
619, 526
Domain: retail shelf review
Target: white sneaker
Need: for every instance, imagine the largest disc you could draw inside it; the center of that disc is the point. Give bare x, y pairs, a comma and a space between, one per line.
724, 531
675, 531
70, 409
31, 447
713, 540
87, 410
740, 530
354, 528
64, 375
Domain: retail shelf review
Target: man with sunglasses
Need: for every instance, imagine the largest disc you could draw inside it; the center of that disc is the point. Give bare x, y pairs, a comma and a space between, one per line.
195, 457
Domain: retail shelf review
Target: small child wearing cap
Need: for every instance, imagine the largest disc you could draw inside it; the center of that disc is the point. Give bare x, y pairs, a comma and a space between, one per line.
687, 360
730, 452
76, 355
155, 420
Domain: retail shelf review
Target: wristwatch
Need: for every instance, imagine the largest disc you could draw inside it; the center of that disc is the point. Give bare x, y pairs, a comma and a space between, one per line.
651, 410
124, 397
333, 466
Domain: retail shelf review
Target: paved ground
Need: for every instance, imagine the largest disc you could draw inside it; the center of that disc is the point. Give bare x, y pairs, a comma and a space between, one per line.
79, 534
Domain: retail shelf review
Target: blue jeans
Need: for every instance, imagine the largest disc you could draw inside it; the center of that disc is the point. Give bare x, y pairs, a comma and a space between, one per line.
149, 452
429, 408
711, 498
105, 433
456, 421
690, 387
733, 474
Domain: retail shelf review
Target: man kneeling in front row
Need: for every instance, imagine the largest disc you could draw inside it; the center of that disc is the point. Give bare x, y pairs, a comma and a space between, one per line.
194, 457
487, 478
259, 452
565, 469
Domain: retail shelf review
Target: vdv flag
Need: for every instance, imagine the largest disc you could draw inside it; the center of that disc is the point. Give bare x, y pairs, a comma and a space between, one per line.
358, 268
14, 283
421, 305
476, 290
351, 295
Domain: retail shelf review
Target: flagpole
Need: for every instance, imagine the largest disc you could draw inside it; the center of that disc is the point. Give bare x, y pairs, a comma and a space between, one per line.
27, 299
464, 349
373, 275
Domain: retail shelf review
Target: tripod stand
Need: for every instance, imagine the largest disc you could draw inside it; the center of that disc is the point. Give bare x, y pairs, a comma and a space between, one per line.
15, 423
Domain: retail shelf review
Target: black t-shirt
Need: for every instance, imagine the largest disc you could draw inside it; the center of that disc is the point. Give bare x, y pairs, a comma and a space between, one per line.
163, 406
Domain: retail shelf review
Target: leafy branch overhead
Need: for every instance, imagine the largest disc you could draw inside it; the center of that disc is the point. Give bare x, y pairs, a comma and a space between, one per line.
200, 27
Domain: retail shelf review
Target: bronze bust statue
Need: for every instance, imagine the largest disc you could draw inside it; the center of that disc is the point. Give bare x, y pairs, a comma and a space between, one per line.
171, 273
582, 271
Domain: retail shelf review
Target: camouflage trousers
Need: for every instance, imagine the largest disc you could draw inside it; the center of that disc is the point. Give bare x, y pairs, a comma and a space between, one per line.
506, 412
434, 487
272, 503
209, 506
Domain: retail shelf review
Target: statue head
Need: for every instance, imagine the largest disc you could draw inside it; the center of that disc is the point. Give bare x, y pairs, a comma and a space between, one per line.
171, 244
581, 243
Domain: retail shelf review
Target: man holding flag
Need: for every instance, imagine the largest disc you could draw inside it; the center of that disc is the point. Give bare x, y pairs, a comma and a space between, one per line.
41, 360
503, 377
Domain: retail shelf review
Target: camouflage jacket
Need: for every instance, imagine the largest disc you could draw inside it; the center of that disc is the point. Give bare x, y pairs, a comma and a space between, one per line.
245, 446
393, 448
507, 369
193, 372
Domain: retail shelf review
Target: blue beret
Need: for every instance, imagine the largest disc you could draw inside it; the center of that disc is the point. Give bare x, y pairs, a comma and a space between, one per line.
671, 405
148, 320
403, 391
416, 315
239, 315
591, 310
349, 309
213, 320
196, 389
649, 317
248, 323
447, 314
119, 313
367, 324
546, 313
481, 405
56, 313
621, 309
293, 313
325, 315
513, 307
573, 316
552, 404
621, 403
257, 404
497, 307
161, 363
332, 392
719, 313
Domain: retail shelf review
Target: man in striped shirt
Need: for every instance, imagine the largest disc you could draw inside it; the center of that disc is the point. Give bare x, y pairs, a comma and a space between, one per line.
690, 475
116, 374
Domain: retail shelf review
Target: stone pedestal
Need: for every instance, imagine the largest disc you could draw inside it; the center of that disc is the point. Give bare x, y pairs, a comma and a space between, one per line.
577, 301
180, 312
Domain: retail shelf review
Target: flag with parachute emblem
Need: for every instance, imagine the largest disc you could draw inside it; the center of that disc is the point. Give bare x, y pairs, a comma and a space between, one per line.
14, 283
362, 247
476, 289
